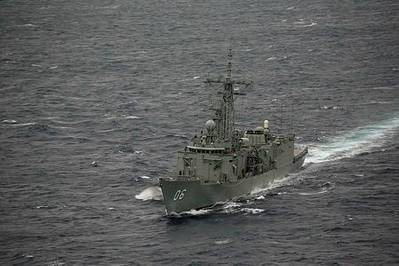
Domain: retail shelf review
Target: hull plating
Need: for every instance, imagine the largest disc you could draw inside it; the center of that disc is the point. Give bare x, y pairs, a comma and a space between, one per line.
185, 195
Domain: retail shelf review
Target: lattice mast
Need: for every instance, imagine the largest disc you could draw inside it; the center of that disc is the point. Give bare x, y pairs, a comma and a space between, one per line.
224, 113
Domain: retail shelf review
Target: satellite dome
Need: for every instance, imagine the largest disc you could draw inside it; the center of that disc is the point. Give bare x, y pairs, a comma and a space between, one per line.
266, 124
210, 125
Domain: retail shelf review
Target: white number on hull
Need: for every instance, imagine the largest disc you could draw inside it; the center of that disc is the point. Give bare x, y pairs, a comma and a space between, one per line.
179, 195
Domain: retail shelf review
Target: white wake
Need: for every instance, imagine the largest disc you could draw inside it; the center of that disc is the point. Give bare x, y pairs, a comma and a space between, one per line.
150, 193
359, 140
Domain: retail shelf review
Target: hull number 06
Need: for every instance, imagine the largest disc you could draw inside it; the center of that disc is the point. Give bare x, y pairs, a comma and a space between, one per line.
179, 195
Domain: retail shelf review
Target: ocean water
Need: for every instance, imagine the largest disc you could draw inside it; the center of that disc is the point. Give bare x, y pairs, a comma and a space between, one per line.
98, 96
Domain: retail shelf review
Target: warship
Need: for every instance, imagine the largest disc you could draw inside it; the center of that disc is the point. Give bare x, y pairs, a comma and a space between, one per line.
224, 163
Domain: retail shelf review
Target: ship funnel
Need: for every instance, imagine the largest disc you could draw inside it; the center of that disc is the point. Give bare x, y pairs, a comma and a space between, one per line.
266, 124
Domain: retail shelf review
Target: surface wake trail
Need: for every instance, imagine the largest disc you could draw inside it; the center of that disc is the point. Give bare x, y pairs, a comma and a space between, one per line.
359, 140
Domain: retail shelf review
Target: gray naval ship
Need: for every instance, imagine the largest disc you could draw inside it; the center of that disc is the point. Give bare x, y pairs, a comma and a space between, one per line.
224, 163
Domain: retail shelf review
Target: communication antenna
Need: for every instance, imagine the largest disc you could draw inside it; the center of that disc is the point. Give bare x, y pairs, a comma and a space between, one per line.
291, 118
281, 117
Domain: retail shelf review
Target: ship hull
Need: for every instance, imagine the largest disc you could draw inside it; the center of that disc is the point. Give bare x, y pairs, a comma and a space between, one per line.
185, 195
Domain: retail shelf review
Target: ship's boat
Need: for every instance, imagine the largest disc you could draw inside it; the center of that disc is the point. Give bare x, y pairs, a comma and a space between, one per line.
224, 163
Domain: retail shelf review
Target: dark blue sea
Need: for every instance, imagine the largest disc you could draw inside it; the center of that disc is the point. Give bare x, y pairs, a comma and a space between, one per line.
96, 98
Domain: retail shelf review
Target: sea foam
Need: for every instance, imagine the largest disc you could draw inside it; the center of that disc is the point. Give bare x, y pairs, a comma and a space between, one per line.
150, 193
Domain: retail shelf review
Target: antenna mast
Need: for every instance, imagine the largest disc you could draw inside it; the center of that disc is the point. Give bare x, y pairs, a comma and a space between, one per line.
224, 114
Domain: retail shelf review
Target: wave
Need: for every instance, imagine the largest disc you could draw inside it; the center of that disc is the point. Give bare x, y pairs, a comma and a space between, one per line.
325, 188
190, 213
150, 193
357, 141
223, 242
233, 207
313, 193
230, 207
28, 25
79, 122
252, 210
9, 121
25, 124
109, 7
115, 117
258, 193
325, 107
310, 25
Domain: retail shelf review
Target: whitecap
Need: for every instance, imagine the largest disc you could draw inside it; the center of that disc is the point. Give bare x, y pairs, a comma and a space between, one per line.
374, 102
25, 124
196, 212
27, 25
131, 117
9, 121
145, 177
310, 25
231, 207
109, 117
252, 210
41, 206
231, 204
300, 22
325, 107
109, 130
223, 242
150, 193
196, 77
